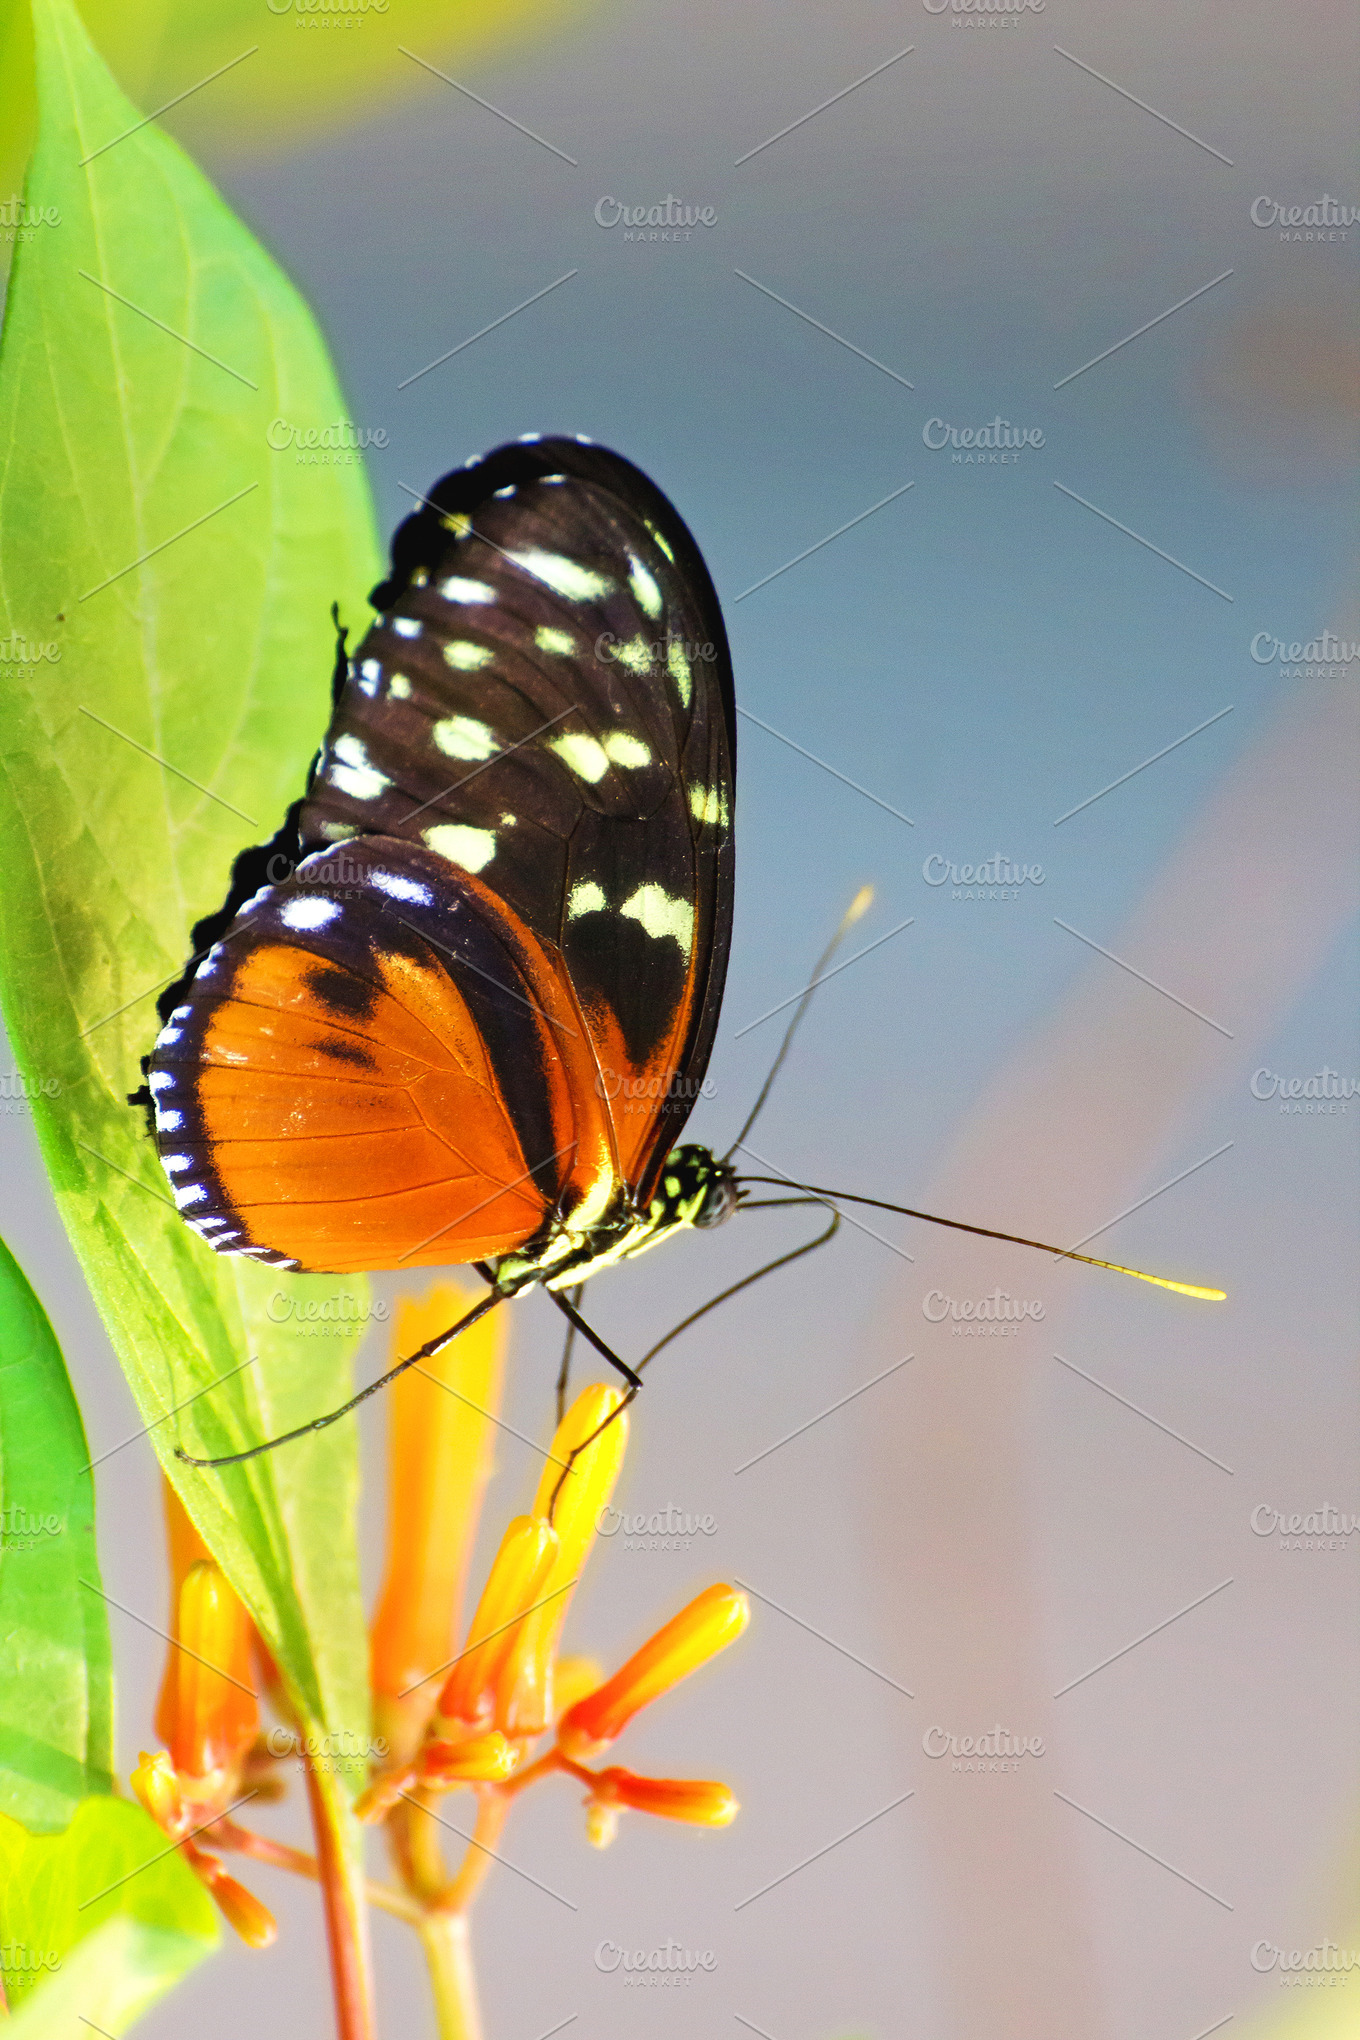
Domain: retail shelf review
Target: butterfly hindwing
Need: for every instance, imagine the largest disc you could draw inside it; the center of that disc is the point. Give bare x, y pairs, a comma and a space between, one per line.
375, 1068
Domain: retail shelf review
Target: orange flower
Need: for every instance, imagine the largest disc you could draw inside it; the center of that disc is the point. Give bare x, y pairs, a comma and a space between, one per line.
712, 1620
208, 1713
700, 1801
439, 1457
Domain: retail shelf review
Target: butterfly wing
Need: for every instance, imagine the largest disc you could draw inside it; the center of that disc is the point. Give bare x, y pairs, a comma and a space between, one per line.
546, 701
471, 987
377, 1068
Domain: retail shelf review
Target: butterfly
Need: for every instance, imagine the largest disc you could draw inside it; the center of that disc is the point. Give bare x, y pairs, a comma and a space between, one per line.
459, 1008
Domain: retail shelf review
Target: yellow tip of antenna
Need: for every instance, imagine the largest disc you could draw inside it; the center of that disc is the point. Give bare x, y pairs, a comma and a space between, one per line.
859, 906
1191, 1289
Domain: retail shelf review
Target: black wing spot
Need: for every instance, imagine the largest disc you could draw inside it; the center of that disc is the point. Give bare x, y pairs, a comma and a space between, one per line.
344, 1052
341, 992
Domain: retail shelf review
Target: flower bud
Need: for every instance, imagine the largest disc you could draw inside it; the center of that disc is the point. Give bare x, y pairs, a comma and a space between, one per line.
515, 1586
216, 1714
703, 1802
524, 1704
712, 1620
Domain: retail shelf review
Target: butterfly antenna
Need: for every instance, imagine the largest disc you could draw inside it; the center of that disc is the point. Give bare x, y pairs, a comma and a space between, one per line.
858, 907
987, 1232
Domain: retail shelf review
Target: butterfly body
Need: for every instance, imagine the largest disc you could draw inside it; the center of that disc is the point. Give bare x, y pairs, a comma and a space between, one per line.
457, 1010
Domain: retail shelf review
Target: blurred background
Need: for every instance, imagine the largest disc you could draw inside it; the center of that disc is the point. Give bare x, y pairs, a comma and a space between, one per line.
918, 216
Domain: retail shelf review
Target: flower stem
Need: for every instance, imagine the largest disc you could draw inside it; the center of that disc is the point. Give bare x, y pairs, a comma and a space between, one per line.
264, 1849
343, 1895
449, 1957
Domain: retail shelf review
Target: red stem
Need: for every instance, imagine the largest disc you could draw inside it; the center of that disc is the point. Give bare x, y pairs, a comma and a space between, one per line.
341, 1893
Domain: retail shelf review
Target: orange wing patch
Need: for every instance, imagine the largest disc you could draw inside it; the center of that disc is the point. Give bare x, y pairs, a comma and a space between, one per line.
378, 1081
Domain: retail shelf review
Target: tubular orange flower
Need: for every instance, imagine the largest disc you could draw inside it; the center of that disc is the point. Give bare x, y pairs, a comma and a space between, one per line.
703, 1802
216, 1713
712, 1620
252, 1919
185, 1548
524, 1688
439, 1458
480, 1760
157, 1787
518, 1577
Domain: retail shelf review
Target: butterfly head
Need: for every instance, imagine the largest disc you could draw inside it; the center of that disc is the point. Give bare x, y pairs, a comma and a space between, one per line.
696, 1188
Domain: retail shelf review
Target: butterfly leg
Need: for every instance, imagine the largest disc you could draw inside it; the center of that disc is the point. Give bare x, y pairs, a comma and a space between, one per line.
578, 1323
564, 1372
425, 1352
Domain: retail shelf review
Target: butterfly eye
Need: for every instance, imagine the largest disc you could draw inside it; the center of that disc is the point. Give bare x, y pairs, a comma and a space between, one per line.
719, 1204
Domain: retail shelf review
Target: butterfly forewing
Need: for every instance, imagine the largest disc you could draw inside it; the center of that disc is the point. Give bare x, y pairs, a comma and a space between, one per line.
546, 701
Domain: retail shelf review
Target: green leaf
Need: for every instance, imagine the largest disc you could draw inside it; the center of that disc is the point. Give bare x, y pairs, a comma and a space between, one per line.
277, 71
181, 572
97, 1923
56, 1695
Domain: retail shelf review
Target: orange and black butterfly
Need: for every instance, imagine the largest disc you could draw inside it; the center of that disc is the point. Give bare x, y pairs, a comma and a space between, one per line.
459, 1008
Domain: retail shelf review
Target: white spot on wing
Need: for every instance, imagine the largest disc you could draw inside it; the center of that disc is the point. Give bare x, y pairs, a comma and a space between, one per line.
161, 1080
660, 914
177, 1164
644, 587
471, 848
623, 749
459, 589
370, 673
399, 687
170, 1034
465, 657
585, 898
189, 1193
582, 755
563, 576
707, 804
350, 770
636, 655
406, 626
462, 736
168, 1122
679, 672
549, 640
308, 913
401, 888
